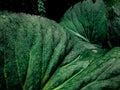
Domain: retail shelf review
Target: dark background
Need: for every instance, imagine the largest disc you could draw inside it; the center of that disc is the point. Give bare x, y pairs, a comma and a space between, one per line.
54, 8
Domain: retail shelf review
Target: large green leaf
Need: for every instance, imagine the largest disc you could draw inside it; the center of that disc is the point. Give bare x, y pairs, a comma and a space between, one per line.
87, 20
38, 54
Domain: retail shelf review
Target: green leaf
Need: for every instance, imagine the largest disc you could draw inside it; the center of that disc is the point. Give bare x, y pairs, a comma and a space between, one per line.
87, 20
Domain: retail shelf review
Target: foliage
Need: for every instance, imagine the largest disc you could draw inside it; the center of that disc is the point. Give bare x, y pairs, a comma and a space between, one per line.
38, 54
97, 22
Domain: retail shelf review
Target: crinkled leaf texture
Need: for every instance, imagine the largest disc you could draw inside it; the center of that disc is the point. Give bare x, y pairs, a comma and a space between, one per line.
87, 20
38, 54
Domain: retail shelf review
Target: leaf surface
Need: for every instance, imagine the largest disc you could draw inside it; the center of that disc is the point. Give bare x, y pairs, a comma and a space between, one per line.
87, 20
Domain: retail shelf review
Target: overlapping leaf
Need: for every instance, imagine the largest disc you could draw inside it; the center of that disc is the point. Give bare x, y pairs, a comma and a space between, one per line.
87, 20
37, 54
